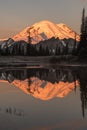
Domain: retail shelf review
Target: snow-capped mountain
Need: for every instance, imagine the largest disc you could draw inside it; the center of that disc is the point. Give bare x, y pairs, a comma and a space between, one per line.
44, 84
45, 90
48, 92
45, 30
44, 33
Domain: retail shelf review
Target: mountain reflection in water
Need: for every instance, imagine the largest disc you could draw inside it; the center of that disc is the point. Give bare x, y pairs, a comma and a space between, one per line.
47, 83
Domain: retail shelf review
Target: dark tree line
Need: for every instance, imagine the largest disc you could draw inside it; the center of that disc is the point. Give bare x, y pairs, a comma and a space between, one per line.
52, 46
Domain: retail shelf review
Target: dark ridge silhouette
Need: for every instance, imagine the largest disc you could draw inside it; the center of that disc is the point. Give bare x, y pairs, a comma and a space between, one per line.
52, 46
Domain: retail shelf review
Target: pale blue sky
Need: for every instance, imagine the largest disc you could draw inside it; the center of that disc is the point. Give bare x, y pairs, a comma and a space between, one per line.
15, 15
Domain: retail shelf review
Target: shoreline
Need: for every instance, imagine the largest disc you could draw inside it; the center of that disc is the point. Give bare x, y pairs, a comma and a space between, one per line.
24, 61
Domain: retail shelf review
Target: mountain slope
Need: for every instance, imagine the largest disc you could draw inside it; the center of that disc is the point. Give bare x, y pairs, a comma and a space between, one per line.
44, 30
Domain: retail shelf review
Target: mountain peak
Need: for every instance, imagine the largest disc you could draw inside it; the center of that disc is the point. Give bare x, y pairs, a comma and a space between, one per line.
43, 22
44, 30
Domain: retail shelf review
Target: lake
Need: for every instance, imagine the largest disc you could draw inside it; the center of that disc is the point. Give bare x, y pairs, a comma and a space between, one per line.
43, 98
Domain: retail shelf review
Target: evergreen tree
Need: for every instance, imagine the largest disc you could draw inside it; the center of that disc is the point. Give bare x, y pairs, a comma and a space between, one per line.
57, 50
47, 51
66, 48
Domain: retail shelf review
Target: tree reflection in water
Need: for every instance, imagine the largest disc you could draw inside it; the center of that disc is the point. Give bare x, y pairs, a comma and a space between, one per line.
52, 75
82, 78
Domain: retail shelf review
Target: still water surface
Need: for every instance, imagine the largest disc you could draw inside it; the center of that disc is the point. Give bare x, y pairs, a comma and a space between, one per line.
48, 98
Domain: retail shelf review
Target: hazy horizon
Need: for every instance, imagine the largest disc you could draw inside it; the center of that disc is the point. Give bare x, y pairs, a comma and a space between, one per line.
19, 14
